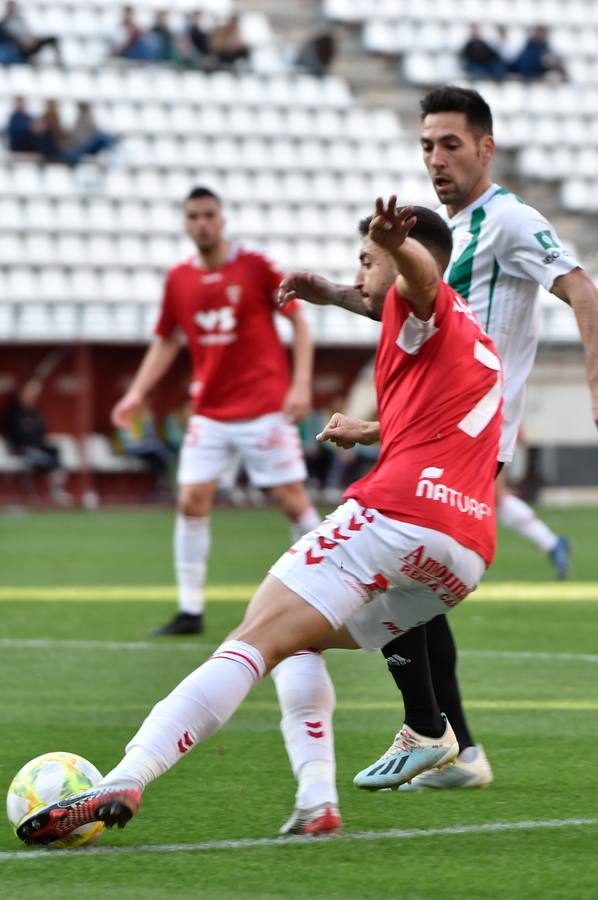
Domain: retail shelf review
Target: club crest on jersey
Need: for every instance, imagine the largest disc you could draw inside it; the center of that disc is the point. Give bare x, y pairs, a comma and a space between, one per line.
431, 489
233, 292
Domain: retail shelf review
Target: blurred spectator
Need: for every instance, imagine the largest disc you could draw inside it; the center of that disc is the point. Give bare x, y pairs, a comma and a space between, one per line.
160, 40
17, 37
479, 58
141, 441
129, 40
317, 54
198, 35
227, 44
85, 138
196, 44
538, 58
26, 432
49, 133
507, 49
46, 135
19, 129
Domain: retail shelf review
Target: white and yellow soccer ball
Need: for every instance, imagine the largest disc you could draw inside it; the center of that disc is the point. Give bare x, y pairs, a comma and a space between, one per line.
47, 779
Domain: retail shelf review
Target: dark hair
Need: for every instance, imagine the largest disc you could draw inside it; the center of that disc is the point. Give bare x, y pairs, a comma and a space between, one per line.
455, 99
199, 192
430, 230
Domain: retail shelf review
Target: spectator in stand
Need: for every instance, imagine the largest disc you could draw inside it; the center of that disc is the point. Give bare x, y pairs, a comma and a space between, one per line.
506, 48
130, 41
196, 44
26, 431
15, 33
227, 43
317, 54
479, 58
198, 35
160, 39
538, 58
19, 129
85, 138
49, 133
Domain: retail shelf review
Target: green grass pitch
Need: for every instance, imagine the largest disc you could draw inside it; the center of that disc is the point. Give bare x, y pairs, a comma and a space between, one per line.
74, 586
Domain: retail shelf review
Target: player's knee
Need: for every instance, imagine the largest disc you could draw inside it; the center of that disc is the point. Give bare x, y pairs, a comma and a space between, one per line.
291, 498
195, 503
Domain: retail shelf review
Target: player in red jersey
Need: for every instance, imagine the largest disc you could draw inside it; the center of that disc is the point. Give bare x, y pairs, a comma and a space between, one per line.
244, 403
413, 538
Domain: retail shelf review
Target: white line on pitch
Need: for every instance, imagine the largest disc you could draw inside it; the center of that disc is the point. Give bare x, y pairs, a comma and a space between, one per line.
47, 643
532, 654
252, 843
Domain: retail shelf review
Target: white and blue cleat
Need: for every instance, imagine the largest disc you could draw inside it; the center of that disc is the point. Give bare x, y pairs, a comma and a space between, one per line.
409, 754
471, 770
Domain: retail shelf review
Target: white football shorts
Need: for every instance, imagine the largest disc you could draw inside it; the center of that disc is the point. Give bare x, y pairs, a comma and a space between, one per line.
377, 575
268, 447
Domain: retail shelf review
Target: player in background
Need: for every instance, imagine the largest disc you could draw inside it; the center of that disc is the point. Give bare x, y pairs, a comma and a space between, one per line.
396, 552
502, 250
222, 300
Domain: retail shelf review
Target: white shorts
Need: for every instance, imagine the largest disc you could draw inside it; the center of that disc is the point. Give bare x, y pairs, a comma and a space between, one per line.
377, 575
268, 447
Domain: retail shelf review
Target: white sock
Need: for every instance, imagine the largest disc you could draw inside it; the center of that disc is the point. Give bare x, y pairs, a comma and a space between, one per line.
191, 549
306, 697
307, 521
515, 514
197, 708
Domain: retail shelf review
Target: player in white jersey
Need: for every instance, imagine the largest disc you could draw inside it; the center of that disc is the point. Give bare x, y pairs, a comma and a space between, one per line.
503, 250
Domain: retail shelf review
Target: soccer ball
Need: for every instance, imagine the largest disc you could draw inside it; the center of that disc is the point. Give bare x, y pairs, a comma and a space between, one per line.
46, 779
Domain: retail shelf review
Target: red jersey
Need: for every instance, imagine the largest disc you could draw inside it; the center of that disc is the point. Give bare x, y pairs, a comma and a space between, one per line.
439, 390
240, 365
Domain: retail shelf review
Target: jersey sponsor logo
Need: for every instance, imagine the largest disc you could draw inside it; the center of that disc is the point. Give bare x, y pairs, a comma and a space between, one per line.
396, 660
430, 489
554, 254
394, 629
218, 326
210, 277
223, 319
421, 567
545, 239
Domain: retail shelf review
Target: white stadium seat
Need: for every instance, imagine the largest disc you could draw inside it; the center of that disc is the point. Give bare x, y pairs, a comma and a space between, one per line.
297, 159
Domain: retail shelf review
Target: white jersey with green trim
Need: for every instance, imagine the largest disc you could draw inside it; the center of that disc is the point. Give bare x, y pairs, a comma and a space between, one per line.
502, 250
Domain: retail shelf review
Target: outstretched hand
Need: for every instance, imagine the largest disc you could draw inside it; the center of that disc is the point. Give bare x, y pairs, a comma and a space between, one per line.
389, 227
345, 432
305, 286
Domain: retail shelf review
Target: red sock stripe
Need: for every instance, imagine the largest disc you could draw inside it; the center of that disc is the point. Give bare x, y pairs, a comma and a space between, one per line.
225, 654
